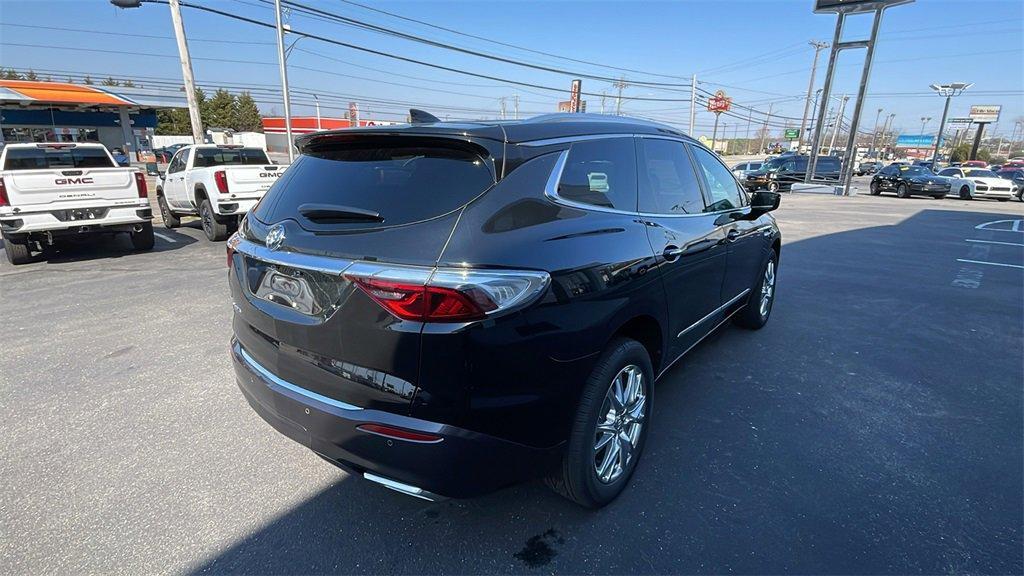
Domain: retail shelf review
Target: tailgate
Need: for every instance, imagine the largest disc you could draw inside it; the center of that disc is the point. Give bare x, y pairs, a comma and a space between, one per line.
42, 187
252, 179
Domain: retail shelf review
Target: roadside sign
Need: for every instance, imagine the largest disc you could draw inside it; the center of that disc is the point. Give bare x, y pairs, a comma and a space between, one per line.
565, 105
353, 113
854, 6
719, 102
985, 113
574, 96
915, 141
962, 121
792, 134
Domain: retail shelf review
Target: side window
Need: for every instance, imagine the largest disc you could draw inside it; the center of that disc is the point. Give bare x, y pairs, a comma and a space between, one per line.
668, 182
601, 173
949, 172
723, 190
177, 164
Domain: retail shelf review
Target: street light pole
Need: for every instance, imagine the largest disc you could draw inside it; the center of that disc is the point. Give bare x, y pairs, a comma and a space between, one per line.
947, 90
284, 81
839, 122
924, 121
874, 135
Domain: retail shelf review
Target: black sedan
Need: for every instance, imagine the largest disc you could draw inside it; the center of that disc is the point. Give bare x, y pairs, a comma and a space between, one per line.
907, 181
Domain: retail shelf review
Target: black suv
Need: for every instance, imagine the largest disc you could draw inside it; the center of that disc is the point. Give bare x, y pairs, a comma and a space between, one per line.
779, 174
447, 308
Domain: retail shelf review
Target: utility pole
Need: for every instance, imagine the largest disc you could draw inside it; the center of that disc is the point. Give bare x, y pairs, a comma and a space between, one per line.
693, 102
186, 72
318, 127
618, 99
284, 81
501, 101
764, 131
874, 135
603, 96
839, 123
750, 115
818, 47
516, 104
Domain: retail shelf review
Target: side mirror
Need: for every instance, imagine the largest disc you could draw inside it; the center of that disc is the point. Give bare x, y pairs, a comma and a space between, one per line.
763, 201
161, 174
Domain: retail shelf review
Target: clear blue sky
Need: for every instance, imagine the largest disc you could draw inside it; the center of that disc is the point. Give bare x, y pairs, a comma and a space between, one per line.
757, 50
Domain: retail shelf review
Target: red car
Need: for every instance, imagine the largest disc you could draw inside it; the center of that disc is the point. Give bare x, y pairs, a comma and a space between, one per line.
974, 164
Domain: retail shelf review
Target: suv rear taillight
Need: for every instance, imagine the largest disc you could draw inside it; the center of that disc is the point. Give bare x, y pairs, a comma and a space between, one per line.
446, 294
221, 177
4, 200
140, 185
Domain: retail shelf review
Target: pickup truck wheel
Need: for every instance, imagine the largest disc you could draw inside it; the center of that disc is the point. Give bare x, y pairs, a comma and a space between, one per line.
143, 239
215, 229
169, 218
17, 252
609, 427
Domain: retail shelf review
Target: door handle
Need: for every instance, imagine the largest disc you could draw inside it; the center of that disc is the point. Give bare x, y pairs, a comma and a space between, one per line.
672, 252
732, 235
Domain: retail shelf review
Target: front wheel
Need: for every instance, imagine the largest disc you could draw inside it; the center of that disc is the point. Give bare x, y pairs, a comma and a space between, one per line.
17, 252
609, 428
903, 191
215, 229
754, 315
773, 186
965, 193
875, 190
171, 220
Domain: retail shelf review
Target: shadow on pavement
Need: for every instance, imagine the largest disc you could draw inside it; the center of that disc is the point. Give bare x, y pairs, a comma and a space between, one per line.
874, 426
108, 246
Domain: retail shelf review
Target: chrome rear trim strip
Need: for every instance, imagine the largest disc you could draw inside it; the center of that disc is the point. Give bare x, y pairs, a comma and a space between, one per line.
292, 259
403, 488
715, 311
267, 374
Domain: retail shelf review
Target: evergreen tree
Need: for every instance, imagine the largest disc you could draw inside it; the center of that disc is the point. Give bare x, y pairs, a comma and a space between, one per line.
221, 110
87, 79
10, 74
109, 82
247, 114
128, 83
31, 75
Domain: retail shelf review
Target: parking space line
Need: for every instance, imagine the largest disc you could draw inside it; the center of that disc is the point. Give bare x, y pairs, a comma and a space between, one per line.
990, 263
165, 237
1014, 226
995, 242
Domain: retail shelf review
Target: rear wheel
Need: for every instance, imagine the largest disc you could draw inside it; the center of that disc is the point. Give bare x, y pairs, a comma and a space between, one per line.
215, 229
875, 190
17, 252
609, 428
903, 191
143, 239
965, 193
171, 220
762, 297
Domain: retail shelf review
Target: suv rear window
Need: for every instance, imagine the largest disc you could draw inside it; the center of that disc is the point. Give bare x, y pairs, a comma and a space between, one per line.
42, 158
206, 157
402, 182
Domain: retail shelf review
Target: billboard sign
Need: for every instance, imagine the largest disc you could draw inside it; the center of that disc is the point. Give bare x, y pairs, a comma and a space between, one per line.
719, 102
574, 96
791, 134
854, 6
915, 141
566, 105
962, 121
983, 114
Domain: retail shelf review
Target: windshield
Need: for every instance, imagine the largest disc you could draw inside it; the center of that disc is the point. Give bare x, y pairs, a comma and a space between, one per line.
982, 174
43, 157
774, 163
206, 157
915, 171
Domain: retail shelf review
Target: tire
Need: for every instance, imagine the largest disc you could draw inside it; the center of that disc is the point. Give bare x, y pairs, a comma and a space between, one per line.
773, 186
965, 193
903, 191
216, 230
577, 476
17, 252
143, 239
875, 189
171, 220
754, 315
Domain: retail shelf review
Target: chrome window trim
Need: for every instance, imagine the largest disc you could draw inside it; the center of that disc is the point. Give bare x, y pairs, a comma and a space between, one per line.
571, 139
715, 311
271, 377
259, 252
551, 191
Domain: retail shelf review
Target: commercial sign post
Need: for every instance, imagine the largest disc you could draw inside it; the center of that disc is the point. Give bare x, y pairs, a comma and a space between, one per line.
717, 104
981, 115
791, 134
353, 114
574, 96
844, 8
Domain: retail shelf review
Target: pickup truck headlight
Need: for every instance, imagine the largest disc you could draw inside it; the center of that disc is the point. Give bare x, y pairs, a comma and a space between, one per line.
771, 175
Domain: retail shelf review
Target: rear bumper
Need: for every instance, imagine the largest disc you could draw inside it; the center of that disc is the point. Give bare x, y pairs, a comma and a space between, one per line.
226, 206
462, 464
51, 220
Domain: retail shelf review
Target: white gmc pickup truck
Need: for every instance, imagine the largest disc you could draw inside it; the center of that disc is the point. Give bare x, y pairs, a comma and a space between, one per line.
218, 183
54, 190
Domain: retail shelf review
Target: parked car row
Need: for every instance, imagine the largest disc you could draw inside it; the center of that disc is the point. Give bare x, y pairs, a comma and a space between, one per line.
54, 191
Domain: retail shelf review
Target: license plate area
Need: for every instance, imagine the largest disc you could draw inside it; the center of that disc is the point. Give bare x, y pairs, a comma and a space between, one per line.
308, 292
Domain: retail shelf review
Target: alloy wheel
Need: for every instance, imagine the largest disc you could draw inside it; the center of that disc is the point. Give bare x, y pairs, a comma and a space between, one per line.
619, 424
207, 219
768, 288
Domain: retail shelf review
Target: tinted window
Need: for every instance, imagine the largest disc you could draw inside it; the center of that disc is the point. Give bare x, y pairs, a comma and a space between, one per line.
982, 173
722, 188
668, 183
915, 171
177, 162
41, 158
950, 172
403, 182
206, 157
601, 173
827, 164
753, 166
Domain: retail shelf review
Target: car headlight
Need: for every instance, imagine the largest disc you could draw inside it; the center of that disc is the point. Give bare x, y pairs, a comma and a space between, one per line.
771, 175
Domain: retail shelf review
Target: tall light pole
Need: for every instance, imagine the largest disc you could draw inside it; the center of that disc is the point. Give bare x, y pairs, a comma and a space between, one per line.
186, 63
764, 131
818, 47
284, 81
839, 123
947, 91
887, 129
924, 121
874, 135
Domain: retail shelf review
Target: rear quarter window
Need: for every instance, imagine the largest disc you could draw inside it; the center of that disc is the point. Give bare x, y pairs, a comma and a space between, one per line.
207, 157
42, 158
402, 182
601, 173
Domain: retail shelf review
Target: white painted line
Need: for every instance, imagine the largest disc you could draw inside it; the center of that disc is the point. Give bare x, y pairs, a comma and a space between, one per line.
990, 263
165, 237
995, 242
1014, 226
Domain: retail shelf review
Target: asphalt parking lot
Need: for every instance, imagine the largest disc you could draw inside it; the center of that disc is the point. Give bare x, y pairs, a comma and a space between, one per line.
874, 426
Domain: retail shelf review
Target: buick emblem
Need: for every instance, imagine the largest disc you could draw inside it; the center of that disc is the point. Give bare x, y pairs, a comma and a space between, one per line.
275, 237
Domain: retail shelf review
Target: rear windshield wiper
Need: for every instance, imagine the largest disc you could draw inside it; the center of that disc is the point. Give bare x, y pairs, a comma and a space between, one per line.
336, 214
